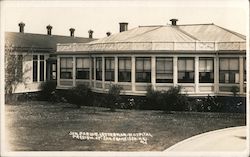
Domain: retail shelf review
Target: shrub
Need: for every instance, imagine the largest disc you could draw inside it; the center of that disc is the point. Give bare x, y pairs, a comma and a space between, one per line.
79, 95
154, 99
171, 100
174, 100
209, 104
113, 97
48, 92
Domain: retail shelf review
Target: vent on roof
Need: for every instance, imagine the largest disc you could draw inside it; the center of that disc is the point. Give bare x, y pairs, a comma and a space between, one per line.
123, 26
49, 28
21, 27
174, 21
90, 33
72, 30
108, 34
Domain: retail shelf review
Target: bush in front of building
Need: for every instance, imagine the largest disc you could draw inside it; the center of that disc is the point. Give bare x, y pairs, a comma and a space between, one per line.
81, 95
170, 100
113, 99
48, 92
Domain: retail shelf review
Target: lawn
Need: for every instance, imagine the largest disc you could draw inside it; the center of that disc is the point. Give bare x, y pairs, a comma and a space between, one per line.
38, 125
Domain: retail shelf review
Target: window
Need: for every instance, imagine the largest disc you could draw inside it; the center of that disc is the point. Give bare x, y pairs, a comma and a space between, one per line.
164, 70
124, 69
66, 65
229, 70
41, 67
98, 68
109, 69
19, 70
244, 69
206, 70
143, 70
82, 68
186, 70
53, 70
35, 66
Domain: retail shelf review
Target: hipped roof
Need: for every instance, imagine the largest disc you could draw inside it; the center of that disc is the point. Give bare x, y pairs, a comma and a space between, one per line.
40, 42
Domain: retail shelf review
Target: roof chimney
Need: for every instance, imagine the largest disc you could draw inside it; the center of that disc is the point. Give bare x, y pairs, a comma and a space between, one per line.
21, 27
90, 33
108, 34
173, 21
123, 26
72, 30
49, 28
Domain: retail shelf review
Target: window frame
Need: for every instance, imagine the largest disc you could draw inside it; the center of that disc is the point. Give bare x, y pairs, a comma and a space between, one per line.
231, 73
124, 75
109, 70
165, 71
85, 70
187, 73
99, 69
205, 79
146, 74
68, 69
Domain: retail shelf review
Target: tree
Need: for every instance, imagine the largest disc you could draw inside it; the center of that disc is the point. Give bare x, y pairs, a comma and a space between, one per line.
13, 69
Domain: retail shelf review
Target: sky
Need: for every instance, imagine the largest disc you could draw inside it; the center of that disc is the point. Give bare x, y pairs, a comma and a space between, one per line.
103, 16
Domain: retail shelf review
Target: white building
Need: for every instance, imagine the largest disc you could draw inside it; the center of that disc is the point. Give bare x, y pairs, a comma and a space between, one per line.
35, 53
202, 58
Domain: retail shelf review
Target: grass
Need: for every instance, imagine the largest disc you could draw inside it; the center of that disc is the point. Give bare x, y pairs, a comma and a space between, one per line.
40, 126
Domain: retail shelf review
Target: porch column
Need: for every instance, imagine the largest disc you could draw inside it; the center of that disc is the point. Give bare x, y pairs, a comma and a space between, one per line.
241, 69
116, 69
58, 71
153, 67
45, 68
133, 73
196, 74
90, 72
38, 68
94, 71
216, 74
103, 72
74, 71
175, 70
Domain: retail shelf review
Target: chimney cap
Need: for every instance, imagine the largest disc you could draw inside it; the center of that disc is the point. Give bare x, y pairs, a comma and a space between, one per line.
72, 29
49, 27
90, 31
21, 24
108, 33
173, 21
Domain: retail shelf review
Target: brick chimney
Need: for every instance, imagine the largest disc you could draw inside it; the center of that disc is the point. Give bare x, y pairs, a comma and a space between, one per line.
21, 27
108, 34
90, 33
174, 21
49, 28
123, 26
72, 30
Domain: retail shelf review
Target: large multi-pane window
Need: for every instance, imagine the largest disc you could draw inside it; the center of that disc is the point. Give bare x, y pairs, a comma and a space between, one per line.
143, 69
229, 70
66, 68
164, 70
109, 69
206, 70
41, 67
82, 68
35, 66
244, 69
124, 69
98, 68
186, 70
